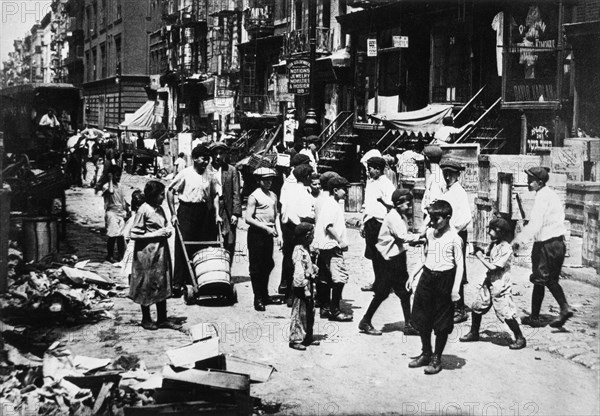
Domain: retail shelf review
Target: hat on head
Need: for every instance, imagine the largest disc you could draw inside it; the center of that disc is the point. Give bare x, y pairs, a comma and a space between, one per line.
302, 229
501, 224
539, 173
302, 171
401, 195
324, 179
299, 159
264, 172
337, 182
451, 165
433, 153
218, 146
376, 162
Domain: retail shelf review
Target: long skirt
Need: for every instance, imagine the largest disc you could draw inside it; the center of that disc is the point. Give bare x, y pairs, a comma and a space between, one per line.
151, 272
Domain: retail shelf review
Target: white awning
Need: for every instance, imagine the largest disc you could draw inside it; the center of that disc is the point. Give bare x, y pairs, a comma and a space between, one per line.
142, 120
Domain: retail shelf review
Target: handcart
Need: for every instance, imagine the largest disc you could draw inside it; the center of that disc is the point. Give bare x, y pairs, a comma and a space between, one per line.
209, 270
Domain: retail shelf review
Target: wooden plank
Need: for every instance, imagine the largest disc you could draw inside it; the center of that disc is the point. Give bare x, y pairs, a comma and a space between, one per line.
189, 354
181, 409
216, 379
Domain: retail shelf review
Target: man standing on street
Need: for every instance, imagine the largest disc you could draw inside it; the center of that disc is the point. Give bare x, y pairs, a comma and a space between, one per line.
197, 190
547, 227
230, 206
460, 220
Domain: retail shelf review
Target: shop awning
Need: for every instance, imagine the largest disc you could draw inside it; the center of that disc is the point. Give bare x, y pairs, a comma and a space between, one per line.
142, 120
425, 120
338, 58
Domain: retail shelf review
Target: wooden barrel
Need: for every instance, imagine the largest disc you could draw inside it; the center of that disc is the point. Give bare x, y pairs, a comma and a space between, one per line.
211, 265
355, 197
40, 237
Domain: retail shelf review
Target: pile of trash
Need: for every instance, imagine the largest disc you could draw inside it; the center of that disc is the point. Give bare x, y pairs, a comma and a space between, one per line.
199, 379
38, 294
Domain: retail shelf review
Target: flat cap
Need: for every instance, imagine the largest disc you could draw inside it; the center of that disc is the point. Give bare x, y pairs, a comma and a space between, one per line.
337, 182
299, 159
377, 162
452, 165
433, 152
401, 194
539, 173
302, 171
325, 176
218, 146
264, 172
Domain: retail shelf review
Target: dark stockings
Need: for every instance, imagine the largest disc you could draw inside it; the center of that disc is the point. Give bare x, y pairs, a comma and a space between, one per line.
440, 343
161, 312
110, 246
476, 322
336, 296
514, 327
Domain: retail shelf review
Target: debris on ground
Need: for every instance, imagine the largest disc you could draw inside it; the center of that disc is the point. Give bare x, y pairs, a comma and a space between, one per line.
66, 295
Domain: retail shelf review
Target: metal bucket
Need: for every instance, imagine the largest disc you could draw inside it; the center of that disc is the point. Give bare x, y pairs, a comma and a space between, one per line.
211, 266
40, 237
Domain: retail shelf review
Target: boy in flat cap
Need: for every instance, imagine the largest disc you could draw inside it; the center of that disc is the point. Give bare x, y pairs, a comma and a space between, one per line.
331, 240
262, 218
496, 290
460, 220
547, 228
230, 204
391, 245
378, 200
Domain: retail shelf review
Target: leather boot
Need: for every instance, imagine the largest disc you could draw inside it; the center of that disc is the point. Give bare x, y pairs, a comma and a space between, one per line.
435, 366
421, 361
366, 328
565, 314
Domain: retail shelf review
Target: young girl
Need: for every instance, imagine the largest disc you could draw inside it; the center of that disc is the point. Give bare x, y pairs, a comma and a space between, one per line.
262, 218
137, 199
151, 271
116, 210
438, 288
498, 284
305, 272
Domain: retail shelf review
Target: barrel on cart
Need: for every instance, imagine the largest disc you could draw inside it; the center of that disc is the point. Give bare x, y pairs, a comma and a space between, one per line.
209, 270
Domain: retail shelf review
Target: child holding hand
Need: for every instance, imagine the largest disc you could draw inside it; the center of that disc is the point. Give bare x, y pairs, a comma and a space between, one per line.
151, 271
496, 290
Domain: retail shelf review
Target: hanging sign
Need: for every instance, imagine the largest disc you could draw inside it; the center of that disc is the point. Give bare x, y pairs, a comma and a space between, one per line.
371, 47
400, 41
299, 77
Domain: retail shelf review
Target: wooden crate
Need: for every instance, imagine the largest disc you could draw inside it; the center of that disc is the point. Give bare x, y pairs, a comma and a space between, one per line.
578, 194
490, 165
590, 254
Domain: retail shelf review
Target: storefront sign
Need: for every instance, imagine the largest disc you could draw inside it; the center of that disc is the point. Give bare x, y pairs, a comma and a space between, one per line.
299, 77
223, 106
208, 107
371, 47
400, 41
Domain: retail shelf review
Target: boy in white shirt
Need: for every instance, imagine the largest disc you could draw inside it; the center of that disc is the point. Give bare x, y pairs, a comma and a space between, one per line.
331, 240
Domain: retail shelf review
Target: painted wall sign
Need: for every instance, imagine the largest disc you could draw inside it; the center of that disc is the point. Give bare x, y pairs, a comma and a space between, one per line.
371, 47
299, 77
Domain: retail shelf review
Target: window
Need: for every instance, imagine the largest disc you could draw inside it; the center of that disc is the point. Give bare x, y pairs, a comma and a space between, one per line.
450, 56
118, 57
94, 64
88, 66
103, 61
95, 17
532, 53
118, 14
327, 13
298, 14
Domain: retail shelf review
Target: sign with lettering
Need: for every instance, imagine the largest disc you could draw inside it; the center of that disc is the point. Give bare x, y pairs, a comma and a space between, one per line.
371, 47
400, 41
299, 77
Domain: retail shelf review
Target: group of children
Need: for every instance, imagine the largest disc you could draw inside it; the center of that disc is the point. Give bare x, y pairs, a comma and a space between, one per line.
319, 279
435, 293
